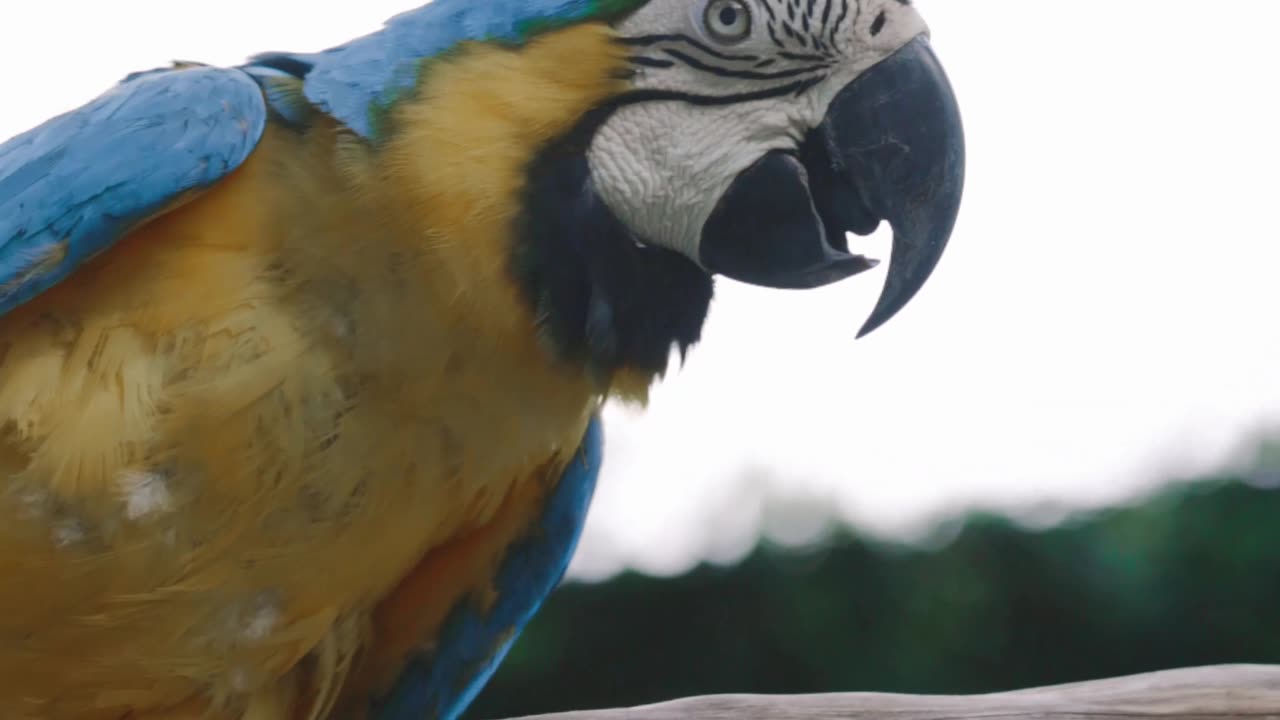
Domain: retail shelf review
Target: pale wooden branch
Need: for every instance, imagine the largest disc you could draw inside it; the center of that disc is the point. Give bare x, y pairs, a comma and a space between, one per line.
1209, 693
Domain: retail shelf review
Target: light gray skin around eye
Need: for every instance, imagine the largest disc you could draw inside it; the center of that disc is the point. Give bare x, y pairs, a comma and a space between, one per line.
727, 22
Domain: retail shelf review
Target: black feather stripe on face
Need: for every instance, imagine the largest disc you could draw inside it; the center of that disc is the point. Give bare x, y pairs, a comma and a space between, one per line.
802, 34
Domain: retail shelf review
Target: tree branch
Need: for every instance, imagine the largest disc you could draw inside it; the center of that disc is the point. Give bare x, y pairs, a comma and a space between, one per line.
1208, 693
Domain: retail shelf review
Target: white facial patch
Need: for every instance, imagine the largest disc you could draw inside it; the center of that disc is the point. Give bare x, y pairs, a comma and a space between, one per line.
708, 105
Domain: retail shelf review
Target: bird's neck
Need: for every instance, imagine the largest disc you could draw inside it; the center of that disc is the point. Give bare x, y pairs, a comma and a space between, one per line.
603, 297
488, 159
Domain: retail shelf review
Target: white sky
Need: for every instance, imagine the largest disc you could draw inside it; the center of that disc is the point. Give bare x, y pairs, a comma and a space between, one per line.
1104, 317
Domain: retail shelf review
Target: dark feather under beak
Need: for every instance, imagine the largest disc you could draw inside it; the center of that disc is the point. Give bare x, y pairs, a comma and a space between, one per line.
891, 148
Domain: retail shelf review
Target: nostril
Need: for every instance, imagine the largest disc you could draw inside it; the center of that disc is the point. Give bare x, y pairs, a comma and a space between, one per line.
878, 24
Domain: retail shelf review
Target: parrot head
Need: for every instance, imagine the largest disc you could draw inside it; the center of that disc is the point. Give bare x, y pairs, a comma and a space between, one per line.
752, 136
791, 122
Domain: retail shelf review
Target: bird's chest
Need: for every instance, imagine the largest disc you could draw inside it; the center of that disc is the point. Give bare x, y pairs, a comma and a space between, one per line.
229, 458
385, 397
234, 438
413, 443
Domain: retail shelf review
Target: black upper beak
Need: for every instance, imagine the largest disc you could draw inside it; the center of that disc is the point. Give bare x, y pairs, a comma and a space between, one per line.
890, 148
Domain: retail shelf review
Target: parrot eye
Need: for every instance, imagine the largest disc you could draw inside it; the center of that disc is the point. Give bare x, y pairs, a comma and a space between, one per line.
727, 21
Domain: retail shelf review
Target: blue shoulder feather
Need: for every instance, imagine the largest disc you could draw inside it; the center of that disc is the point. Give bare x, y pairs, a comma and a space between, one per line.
355, 81
73, 186
471, 644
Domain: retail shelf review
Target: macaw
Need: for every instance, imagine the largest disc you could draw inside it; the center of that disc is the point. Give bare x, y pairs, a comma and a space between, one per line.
301, 360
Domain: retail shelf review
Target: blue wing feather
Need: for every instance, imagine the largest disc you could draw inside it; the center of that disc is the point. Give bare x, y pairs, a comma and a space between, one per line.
352, 81
472, 643
73, 186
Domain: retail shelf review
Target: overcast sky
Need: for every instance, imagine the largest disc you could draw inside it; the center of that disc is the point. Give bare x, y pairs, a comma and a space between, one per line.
1105, 316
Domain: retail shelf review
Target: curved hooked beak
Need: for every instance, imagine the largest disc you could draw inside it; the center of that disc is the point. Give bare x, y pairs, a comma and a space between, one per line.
891, 148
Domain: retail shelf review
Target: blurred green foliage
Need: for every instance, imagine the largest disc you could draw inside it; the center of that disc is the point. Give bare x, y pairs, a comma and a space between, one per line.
1190, 577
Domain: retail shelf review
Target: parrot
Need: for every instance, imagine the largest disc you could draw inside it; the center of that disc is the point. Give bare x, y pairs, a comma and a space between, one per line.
303, 360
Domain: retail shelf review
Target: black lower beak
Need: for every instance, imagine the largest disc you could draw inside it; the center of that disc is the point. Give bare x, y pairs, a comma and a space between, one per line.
890, 148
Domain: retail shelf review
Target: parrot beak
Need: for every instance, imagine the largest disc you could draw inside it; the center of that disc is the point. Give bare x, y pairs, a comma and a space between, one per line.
891, 148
